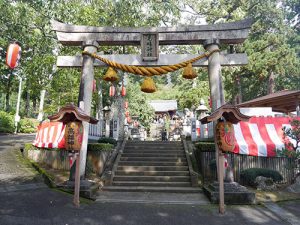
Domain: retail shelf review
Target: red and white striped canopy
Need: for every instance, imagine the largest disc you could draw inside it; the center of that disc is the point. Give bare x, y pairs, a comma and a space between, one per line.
50, 135
261, 136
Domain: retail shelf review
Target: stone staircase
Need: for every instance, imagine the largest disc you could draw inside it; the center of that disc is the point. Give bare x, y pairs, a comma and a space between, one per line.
152, 166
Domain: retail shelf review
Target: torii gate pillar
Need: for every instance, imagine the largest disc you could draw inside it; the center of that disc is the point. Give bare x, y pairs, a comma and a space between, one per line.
85, 96
216, 96
214, 74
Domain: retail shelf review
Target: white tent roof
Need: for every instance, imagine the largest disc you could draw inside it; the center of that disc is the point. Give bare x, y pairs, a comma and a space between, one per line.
164, 105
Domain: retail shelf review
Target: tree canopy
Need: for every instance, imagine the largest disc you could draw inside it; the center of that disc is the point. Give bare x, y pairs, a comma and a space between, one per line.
272, 48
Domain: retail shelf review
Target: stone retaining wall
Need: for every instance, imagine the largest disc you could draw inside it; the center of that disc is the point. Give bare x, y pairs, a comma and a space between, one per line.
59, 159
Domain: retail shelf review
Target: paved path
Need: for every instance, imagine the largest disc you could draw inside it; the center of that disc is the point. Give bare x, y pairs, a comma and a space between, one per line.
24, 199
46, 206
289, 214
13, 174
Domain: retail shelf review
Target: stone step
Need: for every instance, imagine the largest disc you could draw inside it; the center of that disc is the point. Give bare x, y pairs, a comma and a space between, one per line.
153, 147
155, 151
153, 178
159, 143
152, 173
149, 163
153, 159
153, 155
151, 183
152, 189
151, 168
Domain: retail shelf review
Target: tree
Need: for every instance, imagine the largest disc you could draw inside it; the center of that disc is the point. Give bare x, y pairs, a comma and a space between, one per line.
294, 134
138, 105
292, 148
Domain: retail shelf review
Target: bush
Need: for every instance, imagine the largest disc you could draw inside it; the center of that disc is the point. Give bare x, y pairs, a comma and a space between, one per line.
100, 147
107, 140
28, 125
205, 146
6, 122
248, 176
90, 147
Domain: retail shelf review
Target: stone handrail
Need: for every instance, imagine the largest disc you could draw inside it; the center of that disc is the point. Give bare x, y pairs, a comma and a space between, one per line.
193, 174
110, 165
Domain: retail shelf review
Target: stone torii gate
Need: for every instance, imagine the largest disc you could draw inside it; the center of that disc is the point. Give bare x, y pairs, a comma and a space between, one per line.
91, 38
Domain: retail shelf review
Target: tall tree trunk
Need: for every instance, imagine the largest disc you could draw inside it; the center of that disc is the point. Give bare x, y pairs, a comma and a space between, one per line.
7, 97
271, 83
238, 97
7, 94
27, 103
41, 107
34, 105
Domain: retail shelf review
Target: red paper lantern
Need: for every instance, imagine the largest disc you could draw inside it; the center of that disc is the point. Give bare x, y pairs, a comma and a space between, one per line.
94, 86
13, 55
123, 90
112, 91
126, 105
127, 113
210, 102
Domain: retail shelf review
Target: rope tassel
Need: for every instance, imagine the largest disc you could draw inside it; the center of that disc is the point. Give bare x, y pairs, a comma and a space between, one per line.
111, 75
148, 85
189, 72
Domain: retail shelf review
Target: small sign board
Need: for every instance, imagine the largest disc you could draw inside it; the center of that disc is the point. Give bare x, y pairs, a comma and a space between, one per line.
73, 136
150, 47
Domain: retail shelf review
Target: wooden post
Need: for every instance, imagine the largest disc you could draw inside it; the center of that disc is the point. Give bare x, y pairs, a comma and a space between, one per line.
220, 172
77, 181
221, 181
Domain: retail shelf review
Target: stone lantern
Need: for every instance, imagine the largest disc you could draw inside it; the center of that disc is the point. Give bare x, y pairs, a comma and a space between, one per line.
201, 110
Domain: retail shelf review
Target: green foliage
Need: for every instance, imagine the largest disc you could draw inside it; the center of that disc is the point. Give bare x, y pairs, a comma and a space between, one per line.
28, 146
107, 140
248, 176
138, 105
205, 146
28, 125
272, 48
294, 133
90, 147
100, 147
290, 150
6, 123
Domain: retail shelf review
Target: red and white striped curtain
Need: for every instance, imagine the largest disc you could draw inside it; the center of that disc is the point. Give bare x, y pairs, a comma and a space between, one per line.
261, 136
50, 135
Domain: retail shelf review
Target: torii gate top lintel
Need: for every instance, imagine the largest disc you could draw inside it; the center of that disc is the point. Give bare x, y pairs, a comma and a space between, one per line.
227, 33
